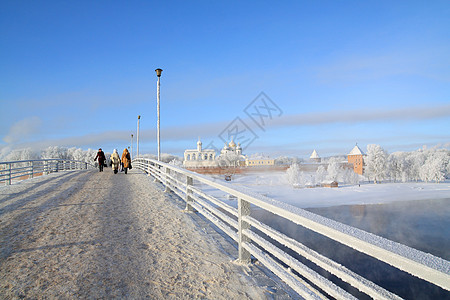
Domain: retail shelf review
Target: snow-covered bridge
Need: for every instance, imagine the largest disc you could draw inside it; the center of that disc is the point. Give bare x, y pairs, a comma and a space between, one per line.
86, 234
89, 234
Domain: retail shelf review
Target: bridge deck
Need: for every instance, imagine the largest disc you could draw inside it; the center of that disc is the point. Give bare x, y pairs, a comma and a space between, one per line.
85, 234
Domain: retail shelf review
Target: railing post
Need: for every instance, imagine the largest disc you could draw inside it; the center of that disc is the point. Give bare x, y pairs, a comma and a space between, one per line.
157, 172
243, 210
189, 199
31, 170
9, 174
46, 167
167, 190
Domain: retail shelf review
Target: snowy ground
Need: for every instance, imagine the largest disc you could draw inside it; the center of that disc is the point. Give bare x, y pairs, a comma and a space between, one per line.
85, 234
276, 186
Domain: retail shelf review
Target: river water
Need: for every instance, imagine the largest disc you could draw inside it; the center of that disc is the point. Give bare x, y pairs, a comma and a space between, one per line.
423, 225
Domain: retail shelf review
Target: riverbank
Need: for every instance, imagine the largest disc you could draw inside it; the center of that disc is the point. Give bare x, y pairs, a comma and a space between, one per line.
275, 185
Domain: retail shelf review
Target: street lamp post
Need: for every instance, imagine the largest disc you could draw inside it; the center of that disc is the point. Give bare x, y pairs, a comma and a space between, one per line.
131, 149
137, 138
158, 73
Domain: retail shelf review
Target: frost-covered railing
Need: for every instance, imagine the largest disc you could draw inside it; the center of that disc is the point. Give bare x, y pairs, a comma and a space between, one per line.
239, 225
24, 169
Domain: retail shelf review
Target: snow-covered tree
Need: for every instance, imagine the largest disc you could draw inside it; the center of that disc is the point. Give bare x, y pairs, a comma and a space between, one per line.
348, 176
293, 174
76, 154
416, 160
21, 154
286, 160
435, 166
228, 160
55, 152
376, 162
321, 174
399, 166
334, 169
165, 157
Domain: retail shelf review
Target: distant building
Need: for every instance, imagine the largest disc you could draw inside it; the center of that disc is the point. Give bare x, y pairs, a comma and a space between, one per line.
233, 152
259, 162
315, 157
356, 158
330, 184
199, 158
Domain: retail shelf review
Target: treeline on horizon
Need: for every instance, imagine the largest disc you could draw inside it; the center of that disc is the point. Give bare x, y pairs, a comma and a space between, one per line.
427, 164
72, 153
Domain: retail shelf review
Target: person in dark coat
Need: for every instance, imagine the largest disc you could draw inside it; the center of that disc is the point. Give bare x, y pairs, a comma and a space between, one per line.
101, 159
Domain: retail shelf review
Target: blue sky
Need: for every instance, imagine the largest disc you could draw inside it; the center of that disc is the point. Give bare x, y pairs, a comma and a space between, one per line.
330, 73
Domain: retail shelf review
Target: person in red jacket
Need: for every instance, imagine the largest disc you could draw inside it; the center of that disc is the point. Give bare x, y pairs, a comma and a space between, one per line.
101, 159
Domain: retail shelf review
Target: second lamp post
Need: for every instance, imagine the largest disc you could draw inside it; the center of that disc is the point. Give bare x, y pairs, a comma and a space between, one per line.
158, 73
137, 142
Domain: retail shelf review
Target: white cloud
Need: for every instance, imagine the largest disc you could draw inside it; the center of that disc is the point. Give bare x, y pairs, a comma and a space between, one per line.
210, 131
403, 114
23, 129
431, 62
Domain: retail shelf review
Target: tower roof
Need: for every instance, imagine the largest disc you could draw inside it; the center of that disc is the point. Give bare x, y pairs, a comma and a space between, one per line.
232, 144
356, 151
314, 154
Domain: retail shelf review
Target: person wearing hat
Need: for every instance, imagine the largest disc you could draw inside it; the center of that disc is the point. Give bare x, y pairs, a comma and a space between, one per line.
115, 160
101, 159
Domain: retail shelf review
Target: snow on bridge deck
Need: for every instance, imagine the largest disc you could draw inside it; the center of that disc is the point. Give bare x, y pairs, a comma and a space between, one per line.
85, 234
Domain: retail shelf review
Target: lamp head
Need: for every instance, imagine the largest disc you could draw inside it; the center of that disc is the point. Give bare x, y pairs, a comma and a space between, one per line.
158, 72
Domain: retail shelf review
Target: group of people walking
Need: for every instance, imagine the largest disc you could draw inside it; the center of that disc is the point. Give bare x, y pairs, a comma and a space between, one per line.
116, 161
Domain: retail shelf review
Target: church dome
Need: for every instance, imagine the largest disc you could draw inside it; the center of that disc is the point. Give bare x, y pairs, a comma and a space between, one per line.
232, 144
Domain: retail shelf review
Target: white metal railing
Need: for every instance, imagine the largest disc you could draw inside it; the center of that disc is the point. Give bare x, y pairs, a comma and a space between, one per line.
24, 169
238, 224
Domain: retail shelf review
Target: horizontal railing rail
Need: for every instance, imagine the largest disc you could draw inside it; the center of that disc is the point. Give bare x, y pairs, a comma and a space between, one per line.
25, 169
198, 192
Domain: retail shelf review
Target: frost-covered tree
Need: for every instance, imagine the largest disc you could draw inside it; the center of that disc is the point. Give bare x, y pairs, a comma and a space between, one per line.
228, 160
287, 161
90, 154
22, 154
334, 169
77, 154
399, 166
165, 157
55, 152
176, 162
293, 174
416, 160
376, 162
321, 174
435, 166
348, 176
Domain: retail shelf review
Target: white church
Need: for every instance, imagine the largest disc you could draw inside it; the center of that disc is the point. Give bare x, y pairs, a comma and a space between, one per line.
203, 158
199, 158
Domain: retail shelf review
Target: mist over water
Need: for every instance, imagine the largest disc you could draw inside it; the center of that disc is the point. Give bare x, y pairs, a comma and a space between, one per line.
423, 225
